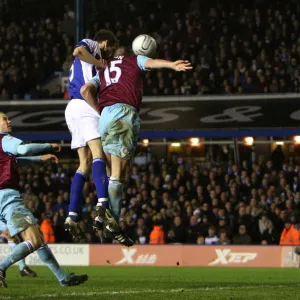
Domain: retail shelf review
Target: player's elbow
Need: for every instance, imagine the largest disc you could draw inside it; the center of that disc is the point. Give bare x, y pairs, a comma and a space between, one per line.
22, 150
78, 51
86, 89
149, 64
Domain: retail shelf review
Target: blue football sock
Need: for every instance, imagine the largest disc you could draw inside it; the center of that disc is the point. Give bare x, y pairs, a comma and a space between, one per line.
76, 195
100, 180
21, 262
47, 257
115, 190
19, 252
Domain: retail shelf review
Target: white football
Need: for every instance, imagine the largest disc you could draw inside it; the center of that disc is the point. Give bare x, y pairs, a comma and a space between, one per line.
144, 44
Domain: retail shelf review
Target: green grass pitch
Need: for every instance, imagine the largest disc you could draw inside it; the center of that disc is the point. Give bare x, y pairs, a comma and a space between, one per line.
157, 283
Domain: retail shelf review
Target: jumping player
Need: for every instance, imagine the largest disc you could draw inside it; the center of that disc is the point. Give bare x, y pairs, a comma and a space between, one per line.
82, 122
20, 222
120, 90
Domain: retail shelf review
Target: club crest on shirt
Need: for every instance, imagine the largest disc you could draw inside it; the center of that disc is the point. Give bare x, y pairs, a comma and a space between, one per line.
28, 220
124, 151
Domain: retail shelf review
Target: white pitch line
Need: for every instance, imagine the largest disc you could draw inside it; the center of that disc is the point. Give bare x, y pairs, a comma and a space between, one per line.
162, 291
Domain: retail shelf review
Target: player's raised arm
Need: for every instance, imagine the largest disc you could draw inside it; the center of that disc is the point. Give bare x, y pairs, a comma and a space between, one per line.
179, 65
83, 54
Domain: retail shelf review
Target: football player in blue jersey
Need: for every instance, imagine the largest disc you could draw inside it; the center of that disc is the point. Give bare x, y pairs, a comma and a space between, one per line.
21, 224
82, 122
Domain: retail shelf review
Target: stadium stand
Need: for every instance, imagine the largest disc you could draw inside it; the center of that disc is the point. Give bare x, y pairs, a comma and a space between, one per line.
249, 50
234, 49
208, 202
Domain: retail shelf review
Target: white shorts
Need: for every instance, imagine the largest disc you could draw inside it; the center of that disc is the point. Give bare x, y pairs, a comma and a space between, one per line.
82, 121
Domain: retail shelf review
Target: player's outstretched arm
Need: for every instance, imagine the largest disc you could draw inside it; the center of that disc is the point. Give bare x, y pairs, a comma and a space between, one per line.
32, 149
179, 65
83, 54
89, 94
28, 160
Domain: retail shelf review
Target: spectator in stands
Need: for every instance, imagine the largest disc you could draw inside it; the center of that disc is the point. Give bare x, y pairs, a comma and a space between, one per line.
157, 235
47, 229
212, 238
4, 94
200, 240
242, 238
270, 234
179, 230
226, 61
290, 235
223, 240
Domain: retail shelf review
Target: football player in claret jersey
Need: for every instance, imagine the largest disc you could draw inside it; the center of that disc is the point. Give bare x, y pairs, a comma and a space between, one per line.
20, 222
82, 122
120, 90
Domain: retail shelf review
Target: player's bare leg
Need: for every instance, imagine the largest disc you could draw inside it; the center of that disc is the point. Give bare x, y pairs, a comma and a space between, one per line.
101, 182
76, 197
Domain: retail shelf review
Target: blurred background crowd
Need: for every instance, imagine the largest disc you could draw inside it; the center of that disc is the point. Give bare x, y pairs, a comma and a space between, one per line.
235, 49
181, 200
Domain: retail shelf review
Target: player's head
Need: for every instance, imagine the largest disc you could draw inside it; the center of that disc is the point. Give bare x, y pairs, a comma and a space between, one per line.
120, 51
287, 224
5, 124
108, 42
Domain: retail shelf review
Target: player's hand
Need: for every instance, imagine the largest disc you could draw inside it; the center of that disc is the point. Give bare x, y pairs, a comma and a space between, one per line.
56, 147
182, 65
49, 158
101, 64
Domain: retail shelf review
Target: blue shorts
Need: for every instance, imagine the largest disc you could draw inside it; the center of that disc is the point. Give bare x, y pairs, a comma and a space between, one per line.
13, 212
119, 127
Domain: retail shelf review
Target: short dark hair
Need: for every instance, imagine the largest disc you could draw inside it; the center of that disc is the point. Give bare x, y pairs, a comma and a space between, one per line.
123, 50
106, 35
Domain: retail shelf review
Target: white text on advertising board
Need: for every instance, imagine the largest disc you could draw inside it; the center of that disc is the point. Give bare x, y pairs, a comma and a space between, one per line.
129, 257
226, 256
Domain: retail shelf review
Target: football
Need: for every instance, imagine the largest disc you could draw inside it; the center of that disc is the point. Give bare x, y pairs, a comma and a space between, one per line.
144, 45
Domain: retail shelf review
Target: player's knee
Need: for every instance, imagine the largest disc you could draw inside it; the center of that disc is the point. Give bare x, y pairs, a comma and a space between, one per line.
6, 234
84, 165
34, 236
96, 148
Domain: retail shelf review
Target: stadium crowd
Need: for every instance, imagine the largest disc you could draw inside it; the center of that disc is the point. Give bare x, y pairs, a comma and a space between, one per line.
212, 202
234, 49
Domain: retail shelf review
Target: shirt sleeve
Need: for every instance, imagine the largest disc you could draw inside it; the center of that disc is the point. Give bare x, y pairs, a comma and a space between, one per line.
95, 81
27, 160
141, 62
32, 149
90, 45
10, 144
